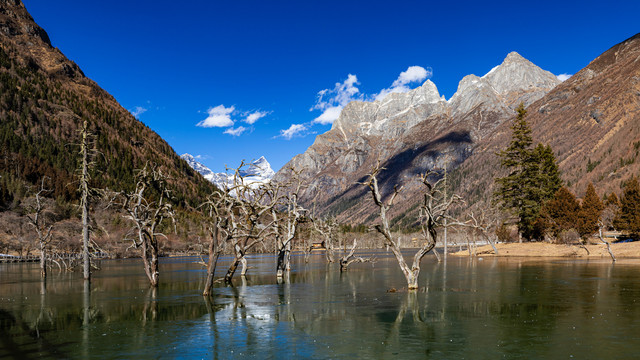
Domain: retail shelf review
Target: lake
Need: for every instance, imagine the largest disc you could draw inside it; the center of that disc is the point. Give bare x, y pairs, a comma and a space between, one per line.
514, 308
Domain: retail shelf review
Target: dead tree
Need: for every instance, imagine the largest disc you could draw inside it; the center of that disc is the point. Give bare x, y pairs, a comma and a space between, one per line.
87, 152
223, 229
478, 223
605, 221
432, 215
350, 258
216, 206
36, 219
147, 207
327, 229
286, 221
251, 204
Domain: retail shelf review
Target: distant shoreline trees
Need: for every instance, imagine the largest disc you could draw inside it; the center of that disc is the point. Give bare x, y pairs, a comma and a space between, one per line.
544, 209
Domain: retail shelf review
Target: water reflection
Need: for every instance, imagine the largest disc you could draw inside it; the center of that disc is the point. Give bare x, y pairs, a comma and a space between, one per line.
469, 308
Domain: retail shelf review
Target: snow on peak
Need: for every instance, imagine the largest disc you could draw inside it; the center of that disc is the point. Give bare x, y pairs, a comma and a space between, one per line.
198, 166
254, 174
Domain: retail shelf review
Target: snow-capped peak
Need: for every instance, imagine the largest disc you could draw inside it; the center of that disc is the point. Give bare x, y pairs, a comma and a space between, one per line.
259, 169
198, 166
254, 174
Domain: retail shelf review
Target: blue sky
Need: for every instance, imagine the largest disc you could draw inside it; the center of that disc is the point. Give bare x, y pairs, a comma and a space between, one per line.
261, 65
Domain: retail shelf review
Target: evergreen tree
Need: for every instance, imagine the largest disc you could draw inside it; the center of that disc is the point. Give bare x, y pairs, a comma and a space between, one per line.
589, 212
548, 172
613, 204
562, 211
533, 176
612, 200
630, 207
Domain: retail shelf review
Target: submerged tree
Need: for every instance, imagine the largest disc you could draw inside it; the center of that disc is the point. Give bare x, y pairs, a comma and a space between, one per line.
148, 206
43, 228
327, 229
87, 153
350, 258
217, 207
251, 203
433, 210
285, 221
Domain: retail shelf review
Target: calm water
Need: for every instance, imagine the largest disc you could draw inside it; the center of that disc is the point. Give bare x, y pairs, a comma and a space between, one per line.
473, 309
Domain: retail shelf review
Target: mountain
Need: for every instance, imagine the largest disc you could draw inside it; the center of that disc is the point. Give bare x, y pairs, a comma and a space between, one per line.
410, 133
256, 173
44, 98
198, 166
591, 121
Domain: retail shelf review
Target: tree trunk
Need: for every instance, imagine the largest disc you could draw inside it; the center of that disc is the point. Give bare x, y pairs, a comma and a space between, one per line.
214, 254
43, 261
85, 237
239, 256
211, 270
150, 261
84, 184
284, 260
329, 250
280, 263
613, 258
243, 261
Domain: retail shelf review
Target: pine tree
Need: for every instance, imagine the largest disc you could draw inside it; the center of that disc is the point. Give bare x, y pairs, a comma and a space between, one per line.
589, 212
548, 172
563, 210
630, 206
533, 176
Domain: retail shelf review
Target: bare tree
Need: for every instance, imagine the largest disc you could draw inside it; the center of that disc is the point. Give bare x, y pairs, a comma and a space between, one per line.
244, 227
479, 224
349, 258
327, 229
285, 222
216, 206
223, 227
432, 214
605, 221
86, 153
43, 229
147, 207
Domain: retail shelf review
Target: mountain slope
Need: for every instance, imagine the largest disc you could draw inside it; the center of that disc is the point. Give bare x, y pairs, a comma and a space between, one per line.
410, 133
592, 122
44, 98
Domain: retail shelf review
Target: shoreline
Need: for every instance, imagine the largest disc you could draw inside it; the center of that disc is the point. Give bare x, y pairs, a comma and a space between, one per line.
537, 249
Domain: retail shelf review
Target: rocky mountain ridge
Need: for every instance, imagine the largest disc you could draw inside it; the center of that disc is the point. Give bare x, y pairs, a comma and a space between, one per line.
591, 122
413, 131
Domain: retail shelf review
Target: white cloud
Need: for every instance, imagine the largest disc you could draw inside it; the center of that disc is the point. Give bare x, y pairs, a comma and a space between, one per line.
329, 115
219, 116
139, 110
235, 131
413, 74
563, 77
400, 85
331, 101
255, 116
293, 130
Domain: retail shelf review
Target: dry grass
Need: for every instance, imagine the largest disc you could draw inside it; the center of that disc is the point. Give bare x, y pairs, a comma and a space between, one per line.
621, 250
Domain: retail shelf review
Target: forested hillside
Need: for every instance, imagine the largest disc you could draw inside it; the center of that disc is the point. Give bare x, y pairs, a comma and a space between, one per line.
44, 98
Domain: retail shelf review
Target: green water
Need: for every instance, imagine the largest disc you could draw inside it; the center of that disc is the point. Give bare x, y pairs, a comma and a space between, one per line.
465, 309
